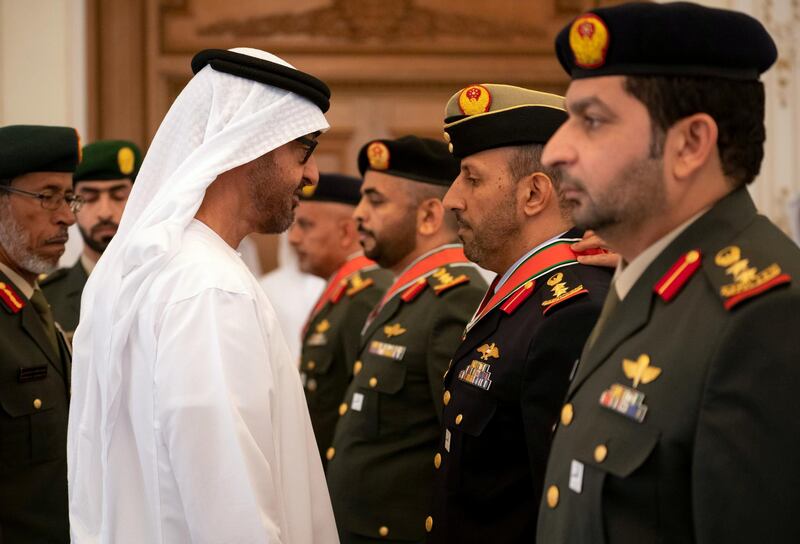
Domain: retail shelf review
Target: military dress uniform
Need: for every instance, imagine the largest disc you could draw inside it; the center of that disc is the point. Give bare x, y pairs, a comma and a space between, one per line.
681, 424
63, 289
503, 393
331, 339
379, 463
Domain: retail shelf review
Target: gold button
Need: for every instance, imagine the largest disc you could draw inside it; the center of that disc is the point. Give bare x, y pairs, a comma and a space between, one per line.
383, 531
446, 398
311, 365
330, 453
446, 137
692, 256
552, 496
450, 147
567, 414
437, 460
429, 524
342, 408
459, 419
357, 367
37, 403
373, 381
600, 453
311, 385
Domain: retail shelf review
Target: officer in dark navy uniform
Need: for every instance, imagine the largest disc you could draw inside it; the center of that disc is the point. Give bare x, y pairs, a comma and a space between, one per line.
509, 376
325, 239
681, 422
380, 473
37, 205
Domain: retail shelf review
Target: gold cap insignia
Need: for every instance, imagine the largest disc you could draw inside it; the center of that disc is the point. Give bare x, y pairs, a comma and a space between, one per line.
323, 326
309, 190
125, 160
640, 370
489, 350
378, 155
393, 330
588, 38
475, 99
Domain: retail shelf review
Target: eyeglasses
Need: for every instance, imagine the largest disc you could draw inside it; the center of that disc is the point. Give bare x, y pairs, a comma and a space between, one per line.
50, 200
310, 144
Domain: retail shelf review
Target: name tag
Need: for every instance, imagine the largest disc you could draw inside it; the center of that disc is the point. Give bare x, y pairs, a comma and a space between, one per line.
447, 440
358, 402
576, 476
384, 349
317, 339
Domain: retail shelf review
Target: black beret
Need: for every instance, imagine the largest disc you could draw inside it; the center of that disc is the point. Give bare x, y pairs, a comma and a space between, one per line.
410, 157
264, 71
488, 116
109, 159
674, 39
335, 188
36, 148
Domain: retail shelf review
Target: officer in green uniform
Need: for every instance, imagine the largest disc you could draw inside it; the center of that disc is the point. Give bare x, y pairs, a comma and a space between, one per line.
508, 378
103, 180
380, 473
325, 239
36, 207
680, 424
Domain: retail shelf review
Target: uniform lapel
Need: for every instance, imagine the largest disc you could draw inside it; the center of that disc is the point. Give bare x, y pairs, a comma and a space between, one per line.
32, 324
386, 313
483, 329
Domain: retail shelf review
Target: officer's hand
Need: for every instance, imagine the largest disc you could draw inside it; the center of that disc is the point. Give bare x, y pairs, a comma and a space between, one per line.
593, 250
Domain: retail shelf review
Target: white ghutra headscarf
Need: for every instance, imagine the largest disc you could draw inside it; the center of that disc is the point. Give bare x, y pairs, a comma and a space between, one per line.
218, 122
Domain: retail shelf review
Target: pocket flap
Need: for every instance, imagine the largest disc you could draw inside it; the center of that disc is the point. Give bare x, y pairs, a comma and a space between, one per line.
316, 361
382, 376
24, 399
620, 450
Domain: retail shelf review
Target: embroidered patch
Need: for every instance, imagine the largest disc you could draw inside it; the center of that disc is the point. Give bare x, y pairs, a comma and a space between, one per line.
474, 99
478, 374
560, 291
391, 351
588, 39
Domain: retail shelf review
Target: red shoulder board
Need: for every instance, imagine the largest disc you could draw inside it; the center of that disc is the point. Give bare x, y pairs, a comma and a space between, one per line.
560, 291
358, 284
413, 292
12, 301
743, 279
442, 280
679, 273
518, 297
336, 296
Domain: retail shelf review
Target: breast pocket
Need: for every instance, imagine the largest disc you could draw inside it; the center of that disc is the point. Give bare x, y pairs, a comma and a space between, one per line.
375, 396
33, 422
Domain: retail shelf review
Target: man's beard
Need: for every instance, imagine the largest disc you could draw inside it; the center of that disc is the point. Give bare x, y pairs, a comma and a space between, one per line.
14, 240
98, 246
636, 195
266, 187
388, 250
489, 238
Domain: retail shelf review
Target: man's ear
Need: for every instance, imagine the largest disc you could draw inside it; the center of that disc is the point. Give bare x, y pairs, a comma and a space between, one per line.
430, 215
535, 191
348, 233
689, 144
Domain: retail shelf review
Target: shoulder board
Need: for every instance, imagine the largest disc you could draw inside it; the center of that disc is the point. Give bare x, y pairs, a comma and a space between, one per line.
678, 275
560, 287
358, 284
414, 291
442, 280
518, 297
46, 279
739, 273
12, 301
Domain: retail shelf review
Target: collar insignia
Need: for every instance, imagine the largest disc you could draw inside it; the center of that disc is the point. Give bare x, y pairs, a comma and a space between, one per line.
11, 300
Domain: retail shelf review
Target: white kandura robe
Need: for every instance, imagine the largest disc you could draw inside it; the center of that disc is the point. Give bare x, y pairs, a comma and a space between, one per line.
213, 441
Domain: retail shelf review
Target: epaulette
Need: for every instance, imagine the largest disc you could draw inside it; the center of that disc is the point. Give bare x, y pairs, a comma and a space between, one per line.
518, 297
54, 276
12, 301
414, 291
442, 280
358, 284
678, 275
337, 293
561, 289
739, 275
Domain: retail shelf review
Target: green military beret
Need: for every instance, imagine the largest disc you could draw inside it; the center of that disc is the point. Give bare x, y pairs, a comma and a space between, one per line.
109, 159
487, 116
36, 148
673, 39
334, 188
410, 157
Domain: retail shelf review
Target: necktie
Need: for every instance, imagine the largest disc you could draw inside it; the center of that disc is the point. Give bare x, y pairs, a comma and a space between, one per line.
611, 302
46, 315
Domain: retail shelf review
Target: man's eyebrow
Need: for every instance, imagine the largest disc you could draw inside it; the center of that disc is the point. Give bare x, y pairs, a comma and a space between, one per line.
580, 106
371, 191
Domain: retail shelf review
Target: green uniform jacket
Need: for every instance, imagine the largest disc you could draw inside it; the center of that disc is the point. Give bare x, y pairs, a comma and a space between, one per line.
34, 397
380, 472
331, 340
63, 289
681, 424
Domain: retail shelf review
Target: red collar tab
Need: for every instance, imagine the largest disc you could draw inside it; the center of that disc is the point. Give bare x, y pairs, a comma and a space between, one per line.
438, 259
678, 275
413, 292
337, 284
12, 301
518, 297
336, 294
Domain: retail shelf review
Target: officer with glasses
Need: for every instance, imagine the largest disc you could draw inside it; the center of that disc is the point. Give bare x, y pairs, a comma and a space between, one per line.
37, 204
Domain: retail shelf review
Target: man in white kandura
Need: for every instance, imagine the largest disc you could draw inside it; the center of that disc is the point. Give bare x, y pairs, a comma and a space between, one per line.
188, 421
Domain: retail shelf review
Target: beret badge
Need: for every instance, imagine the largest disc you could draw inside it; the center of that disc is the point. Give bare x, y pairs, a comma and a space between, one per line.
125, 160
378, 155
475, 99
588, 39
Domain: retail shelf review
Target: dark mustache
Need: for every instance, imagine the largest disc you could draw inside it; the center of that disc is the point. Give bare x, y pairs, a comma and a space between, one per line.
104, 223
